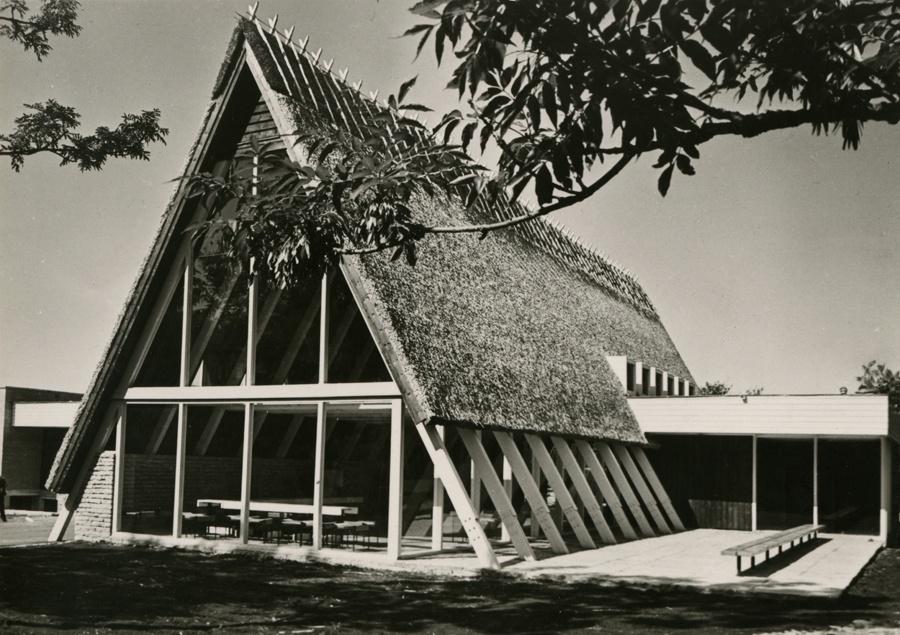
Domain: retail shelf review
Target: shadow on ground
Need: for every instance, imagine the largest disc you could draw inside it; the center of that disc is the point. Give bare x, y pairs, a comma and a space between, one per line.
78, 587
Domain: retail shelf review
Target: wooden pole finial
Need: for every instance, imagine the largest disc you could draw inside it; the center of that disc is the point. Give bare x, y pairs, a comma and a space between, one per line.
329, 65
289, 33
272, 22
316, 56
343, 74
251, 10
374, 95
358, 86
303, 43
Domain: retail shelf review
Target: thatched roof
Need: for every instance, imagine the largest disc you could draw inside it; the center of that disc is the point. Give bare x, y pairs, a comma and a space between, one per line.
508, 332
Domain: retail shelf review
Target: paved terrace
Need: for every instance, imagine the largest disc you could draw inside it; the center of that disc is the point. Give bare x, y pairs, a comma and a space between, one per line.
823, 568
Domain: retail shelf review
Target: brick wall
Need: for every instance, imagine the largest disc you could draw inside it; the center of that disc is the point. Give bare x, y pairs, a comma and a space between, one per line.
93, 518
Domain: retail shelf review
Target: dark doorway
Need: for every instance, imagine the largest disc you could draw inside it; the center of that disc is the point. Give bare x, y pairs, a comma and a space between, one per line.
784, 483
849, 486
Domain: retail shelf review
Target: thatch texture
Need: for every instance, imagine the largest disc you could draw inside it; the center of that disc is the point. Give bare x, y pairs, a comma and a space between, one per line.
511, 332
498, 334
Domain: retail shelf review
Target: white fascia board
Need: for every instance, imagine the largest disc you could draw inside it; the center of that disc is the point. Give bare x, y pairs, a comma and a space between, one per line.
260, 394
49, 414
767, 415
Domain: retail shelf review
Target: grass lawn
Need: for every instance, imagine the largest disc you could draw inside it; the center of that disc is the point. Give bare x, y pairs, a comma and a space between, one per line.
92, 588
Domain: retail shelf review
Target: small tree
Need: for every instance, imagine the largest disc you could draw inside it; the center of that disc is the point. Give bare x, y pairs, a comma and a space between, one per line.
715, 388
49, 127
877, 379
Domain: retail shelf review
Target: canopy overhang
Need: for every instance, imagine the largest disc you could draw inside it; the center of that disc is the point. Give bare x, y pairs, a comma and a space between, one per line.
859, 416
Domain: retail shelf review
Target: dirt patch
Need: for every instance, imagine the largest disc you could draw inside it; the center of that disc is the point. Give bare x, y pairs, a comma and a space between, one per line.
90, 588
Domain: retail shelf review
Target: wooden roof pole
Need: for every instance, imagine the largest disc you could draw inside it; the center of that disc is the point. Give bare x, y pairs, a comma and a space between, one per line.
531, 490
454, 488
609, 460
583, 489
646, 495
606, 488
558, 484
496, 492
656, 484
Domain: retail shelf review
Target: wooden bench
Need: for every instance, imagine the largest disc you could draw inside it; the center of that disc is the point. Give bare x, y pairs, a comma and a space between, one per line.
766, 544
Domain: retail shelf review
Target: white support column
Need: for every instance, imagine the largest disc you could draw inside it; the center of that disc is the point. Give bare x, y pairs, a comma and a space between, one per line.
252, 328
638, 379
651, 387
508, 488
664, 391
186, 311
324, 310
246, 471
475, 482
453, 485
119, 470
319, 476
557, 483
494, 487
528, 482
619, 365
437, 506
884, 514
815, 475
583, 489
178, 506
395, 496
753, 509
535, 521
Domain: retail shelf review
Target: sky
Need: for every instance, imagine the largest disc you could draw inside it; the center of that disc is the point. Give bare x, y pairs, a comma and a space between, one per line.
777, 266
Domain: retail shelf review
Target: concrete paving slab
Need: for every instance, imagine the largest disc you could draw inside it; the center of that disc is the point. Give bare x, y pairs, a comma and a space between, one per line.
823, 568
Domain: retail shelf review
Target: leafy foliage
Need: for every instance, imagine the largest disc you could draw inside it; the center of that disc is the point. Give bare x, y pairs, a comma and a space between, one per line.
51, 127
55, 17
571, 92
354, 196
877, 379
715, 388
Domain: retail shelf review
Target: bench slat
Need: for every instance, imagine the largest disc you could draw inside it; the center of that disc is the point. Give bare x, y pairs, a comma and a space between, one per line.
770, 542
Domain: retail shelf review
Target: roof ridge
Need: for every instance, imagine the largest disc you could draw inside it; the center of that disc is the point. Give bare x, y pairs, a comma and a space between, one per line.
331, 94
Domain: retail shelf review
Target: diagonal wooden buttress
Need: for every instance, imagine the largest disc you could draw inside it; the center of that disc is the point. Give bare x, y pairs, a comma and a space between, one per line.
610, 496
456, 491
497, 492
653, 480
646, 495
531, 490
558, 484
583, 489
609, 460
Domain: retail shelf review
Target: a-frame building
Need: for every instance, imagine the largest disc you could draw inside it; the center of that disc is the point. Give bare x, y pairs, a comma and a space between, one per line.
479, 394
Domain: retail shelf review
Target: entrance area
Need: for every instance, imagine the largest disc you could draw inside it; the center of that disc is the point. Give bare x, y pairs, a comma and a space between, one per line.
784, 483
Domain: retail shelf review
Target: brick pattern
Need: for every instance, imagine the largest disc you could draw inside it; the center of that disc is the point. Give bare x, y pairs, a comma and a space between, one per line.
93, 518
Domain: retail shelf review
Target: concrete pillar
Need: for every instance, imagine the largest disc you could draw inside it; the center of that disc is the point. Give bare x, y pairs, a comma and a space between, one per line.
885, 511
